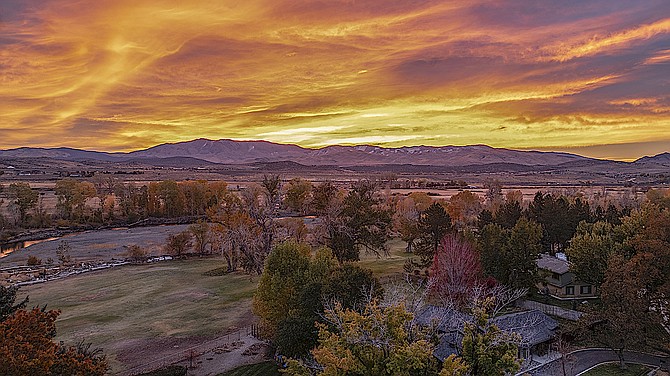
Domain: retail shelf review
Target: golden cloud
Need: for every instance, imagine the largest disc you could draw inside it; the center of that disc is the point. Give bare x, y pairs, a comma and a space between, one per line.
121, 74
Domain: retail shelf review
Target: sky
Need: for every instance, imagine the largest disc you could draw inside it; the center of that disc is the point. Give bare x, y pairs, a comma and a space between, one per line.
589, 77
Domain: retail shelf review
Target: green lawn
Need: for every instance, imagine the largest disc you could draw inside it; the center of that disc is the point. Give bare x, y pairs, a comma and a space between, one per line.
386, 266
612, 369
260, 369
119, 308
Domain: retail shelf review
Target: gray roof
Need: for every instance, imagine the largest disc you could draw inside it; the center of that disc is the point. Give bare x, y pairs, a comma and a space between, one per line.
533, 326
553, 264
450, 343
444, 319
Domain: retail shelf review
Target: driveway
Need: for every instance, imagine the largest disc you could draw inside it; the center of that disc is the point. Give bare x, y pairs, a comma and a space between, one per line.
581, 360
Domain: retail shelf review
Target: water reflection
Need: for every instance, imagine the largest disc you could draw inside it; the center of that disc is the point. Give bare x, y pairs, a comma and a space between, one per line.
7, 248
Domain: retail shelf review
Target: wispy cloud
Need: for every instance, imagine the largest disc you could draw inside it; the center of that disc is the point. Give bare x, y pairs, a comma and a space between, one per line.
125, 74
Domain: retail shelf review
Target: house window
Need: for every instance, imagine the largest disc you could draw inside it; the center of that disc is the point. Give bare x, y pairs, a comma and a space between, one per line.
555, 276
584, 290
570, 290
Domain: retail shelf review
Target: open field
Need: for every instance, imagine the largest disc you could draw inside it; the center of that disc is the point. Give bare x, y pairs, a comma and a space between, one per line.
386, 266
139, 313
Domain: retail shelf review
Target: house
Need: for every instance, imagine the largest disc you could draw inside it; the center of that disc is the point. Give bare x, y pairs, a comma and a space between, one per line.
560, 282
535, 329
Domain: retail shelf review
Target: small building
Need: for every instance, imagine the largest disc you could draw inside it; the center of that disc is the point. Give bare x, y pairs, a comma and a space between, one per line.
535, 329
559, 282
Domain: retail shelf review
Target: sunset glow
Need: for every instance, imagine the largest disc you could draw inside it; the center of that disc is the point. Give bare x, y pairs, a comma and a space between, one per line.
591, 77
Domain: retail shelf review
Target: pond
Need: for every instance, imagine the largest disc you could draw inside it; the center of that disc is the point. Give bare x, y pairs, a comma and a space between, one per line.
7, 248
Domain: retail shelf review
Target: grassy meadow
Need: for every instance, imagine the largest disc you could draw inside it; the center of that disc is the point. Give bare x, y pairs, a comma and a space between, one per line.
121, 308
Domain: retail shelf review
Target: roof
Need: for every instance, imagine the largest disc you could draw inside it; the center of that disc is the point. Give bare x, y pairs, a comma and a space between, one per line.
534, 326
444, 319
553, 264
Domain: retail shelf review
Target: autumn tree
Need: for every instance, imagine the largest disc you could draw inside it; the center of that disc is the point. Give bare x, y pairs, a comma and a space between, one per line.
23, 199
178, 244
202, 236
27, 348
623, 320
72, 196
486, 349
377, 341
237, 235
406, 221
464, 207
136, 253
455, 270
325, 198
298, 194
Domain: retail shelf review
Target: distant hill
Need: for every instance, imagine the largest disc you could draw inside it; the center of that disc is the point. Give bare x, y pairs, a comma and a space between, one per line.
663, 158
60, 153
203, 152
242, 152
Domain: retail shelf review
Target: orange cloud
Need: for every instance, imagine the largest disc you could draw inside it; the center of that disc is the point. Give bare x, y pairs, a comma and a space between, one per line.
122, 74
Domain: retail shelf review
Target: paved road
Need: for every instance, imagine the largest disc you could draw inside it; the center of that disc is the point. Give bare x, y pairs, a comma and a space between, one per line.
585, 359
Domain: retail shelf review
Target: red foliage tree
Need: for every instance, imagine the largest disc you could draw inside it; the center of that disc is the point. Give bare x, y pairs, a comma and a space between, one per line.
27, 348
455, 271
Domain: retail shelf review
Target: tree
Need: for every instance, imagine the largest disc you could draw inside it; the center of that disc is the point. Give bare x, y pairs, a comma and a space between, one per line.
553, 213
494, 195
464, 207
589, 250
136, 253
486, 349
293, 288
27, 348
623, 320
324, 198
362, 223
492, 245
8, 303
24, 199
434, 224
522, 249
72, 196
177, 244
508, 214
455, 270
406, 221
378, 341
202, 236
63, 253
298, 193
288, 298
351, 286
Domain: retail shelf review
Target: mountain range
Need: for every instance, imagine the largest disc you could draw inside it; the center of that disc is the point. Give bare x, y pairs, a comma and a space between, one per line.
224, 151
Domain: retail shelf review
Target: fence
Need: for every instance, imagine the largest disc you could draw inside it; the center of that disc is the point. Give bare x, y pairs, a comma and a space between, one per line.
190, 355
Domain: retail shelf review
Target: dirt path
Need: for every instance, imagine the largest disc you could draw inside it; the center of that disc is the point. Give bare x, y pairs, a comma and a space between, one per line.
246, 350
